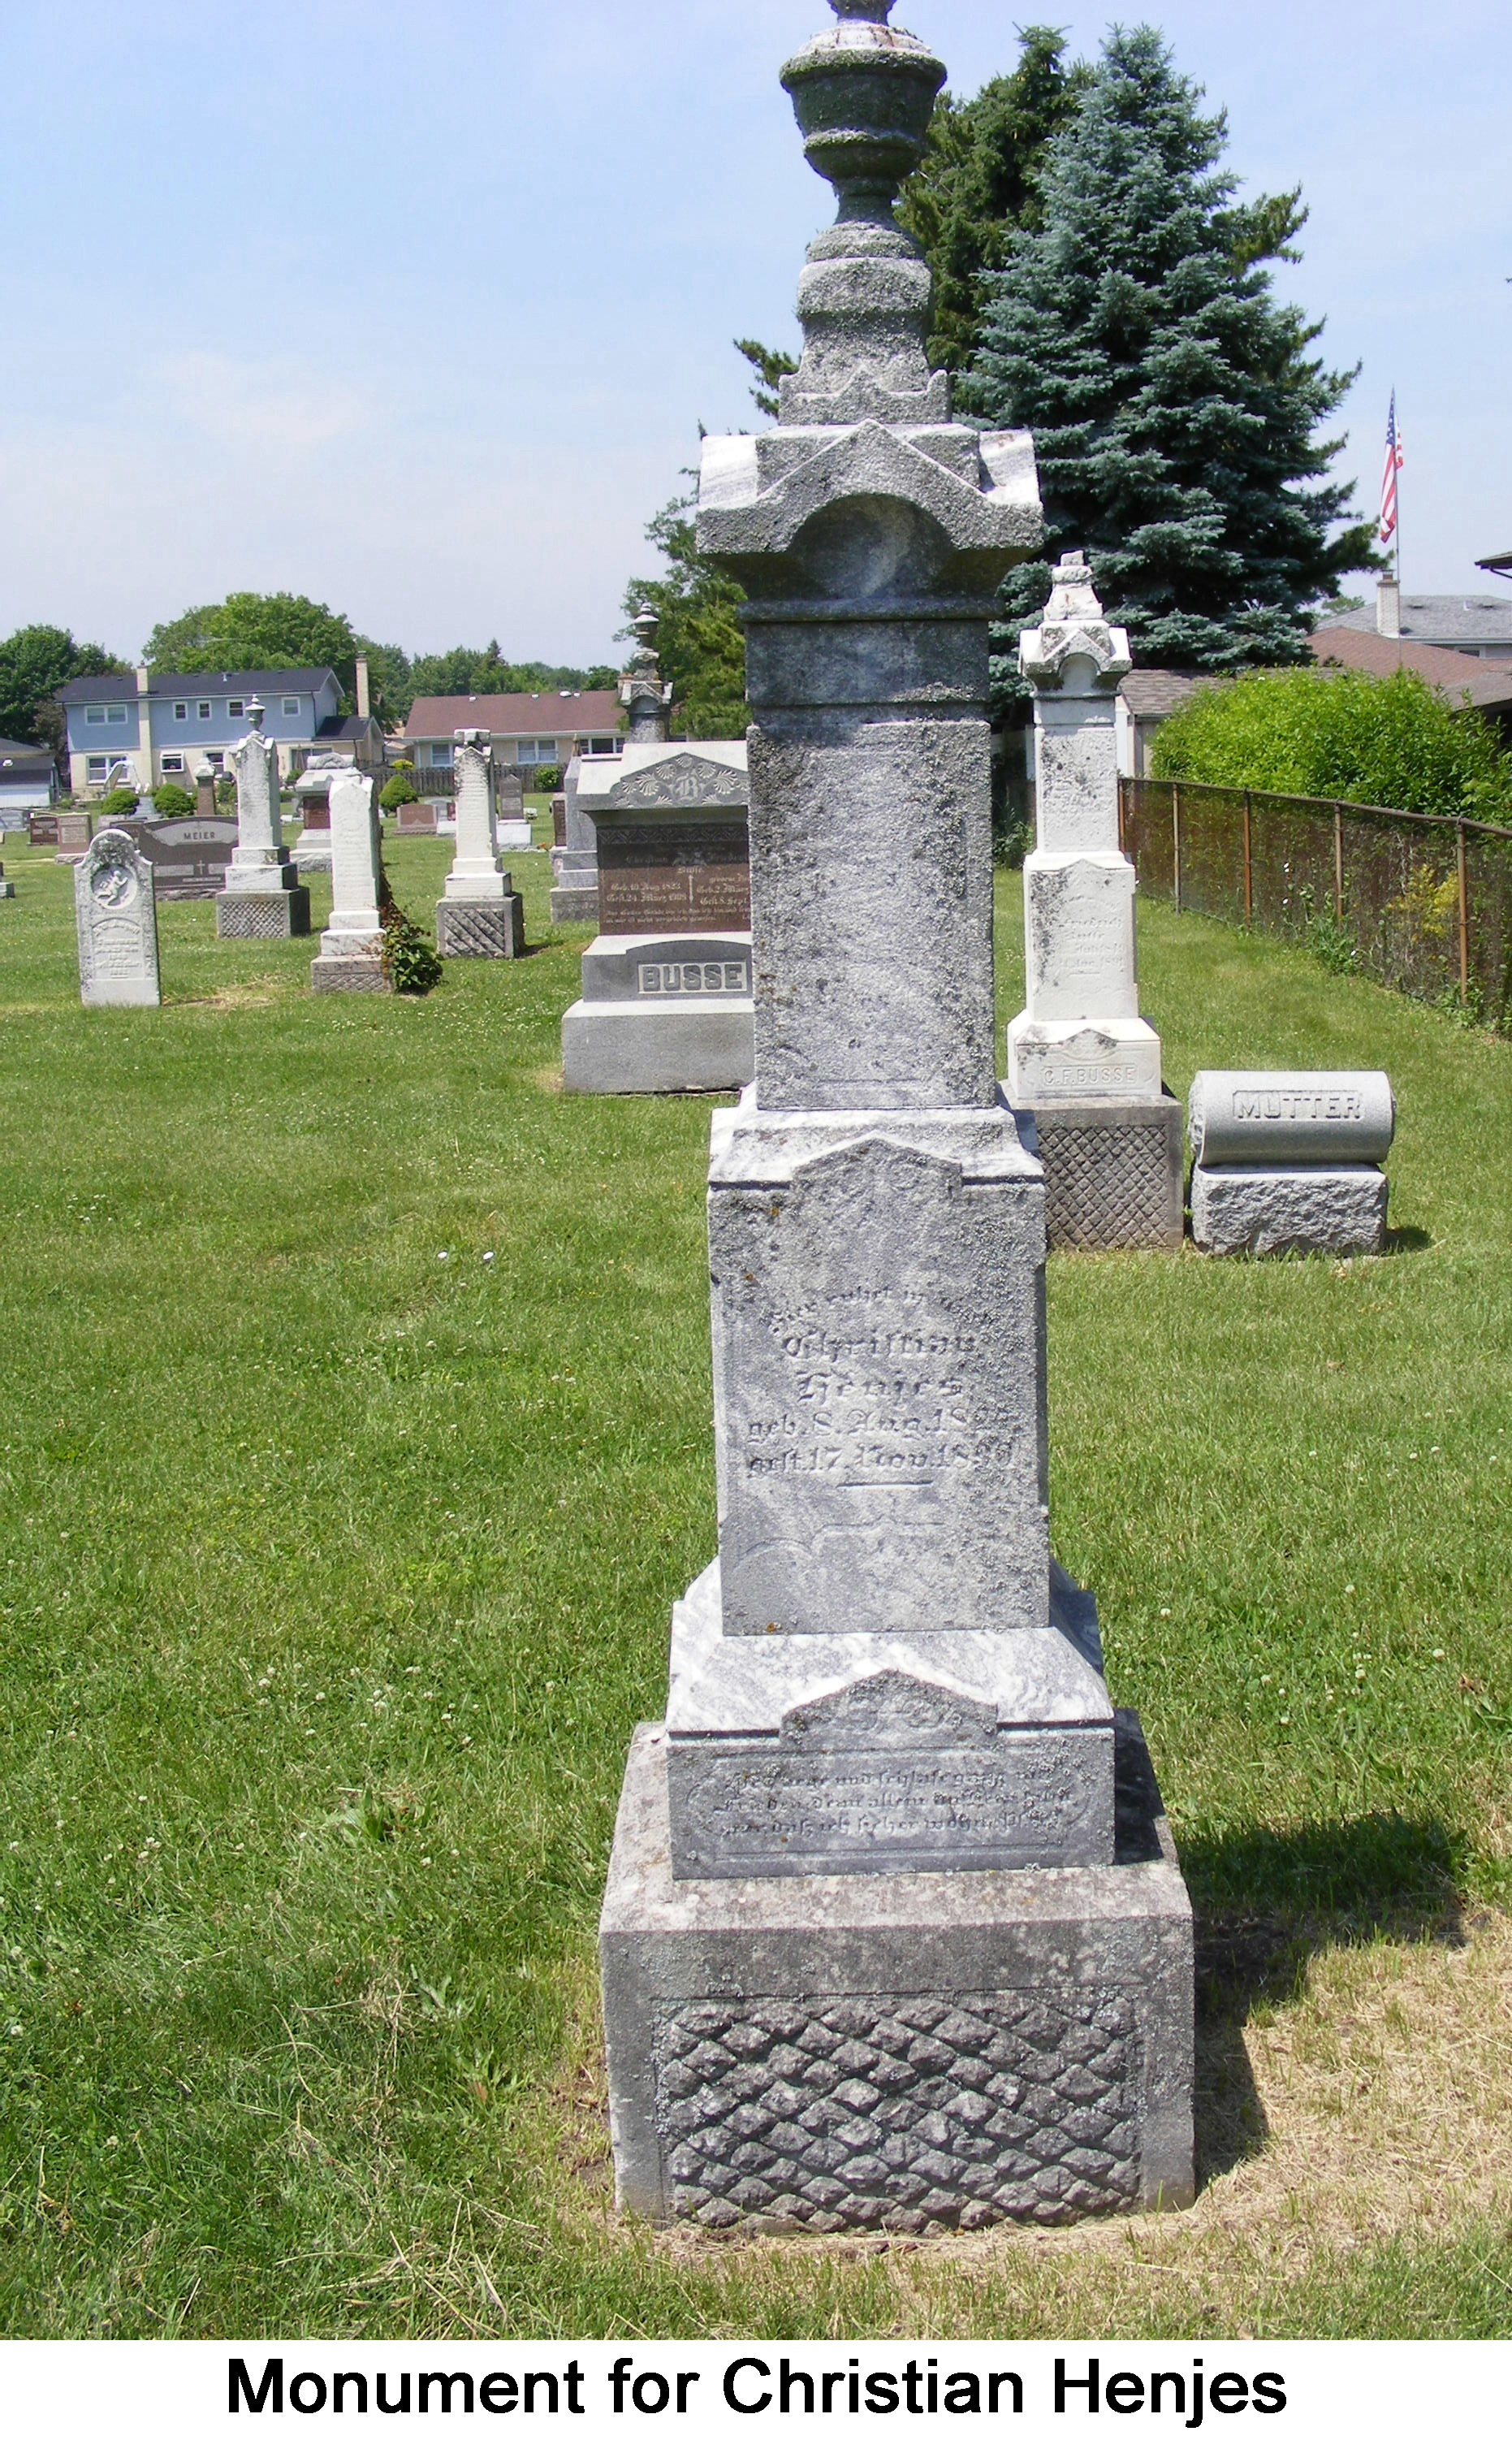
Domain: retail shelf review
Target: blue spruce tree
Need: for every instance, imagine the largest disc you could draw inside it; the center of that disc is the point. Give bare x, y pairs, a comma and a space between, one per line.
1173, 401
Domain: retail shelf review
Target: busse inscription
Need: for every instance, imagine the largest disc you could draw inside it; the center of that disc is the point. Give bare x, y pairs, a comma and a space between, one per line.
696, 979
674, 877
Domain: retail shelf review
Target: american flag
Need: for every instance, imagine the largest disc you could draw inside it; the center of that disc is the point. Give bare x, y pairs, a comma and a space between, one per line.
1388, 480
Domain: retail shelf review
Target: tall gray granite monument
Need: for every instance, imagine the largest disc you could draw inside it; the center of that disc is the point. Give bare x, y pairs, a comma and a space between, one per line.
574, 863
1081, 1059
264, 898
666, 1004
115, 911
895, 1934
482, 914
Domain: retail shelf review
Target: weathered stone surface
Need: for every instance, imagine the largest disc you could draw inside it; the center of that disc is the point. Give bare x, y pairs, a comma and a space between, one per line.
1292, 1118
352, 943
677, 1046
474, 927
1066, 1059
116, 914
263, 898
574, 902
1338, 1211
877, 1753
912, 2051
878, 1364
1113, 1172
575, 858
663, 966
1079, 937
671, 844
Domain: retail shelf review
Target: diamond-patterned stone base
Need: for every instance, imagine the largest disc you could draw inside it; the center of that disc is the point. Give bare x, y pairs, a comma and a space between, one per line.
922, 2115
914, 2051
1113, 1172
263, 914
481, 929
347, 975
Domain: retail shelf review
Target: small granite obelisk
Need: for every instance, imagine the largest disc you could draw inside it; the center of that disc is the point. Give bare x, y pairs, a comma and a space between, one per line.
1081, 1059
895, 1935
264, 898
482, 914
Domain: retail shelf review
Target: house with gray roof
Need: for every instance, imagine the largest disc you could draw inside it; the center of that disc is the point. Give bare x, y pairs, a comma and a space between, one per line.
1478, 623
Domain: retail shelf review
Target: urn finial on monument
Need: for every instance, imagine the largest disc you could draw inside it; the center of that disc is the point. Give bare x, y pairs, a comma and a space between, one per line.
641, 689
864, 95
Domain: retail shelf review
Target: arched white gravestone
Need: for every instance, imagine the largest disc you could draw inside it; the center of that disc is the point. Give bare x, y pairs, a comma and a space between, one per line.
117, 912
352, 945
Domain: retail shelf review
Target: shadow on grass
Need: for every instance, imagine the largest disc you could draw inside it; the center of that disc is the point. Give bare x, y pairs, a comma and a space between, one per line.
1407, 1241
1267, 1903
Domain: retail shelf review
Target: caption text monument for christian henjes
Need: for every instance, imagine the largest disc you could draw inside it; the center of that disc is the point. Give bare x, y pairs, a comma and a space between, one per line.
894, 1935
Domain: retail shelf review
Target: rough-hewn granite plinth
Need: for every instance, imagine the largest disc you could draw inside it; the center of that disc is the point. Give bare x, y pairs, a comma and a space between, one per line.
574, 905
347, 975
263, 914
1289, 1211
1113, 1172
693, 1046
917, 2051
481, 928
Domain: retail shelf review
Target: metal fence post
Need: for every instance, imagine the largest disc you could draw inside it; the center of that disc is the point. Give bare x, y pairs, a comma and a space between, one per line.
1248, 866
1338, 863
1465, 913
1176, 843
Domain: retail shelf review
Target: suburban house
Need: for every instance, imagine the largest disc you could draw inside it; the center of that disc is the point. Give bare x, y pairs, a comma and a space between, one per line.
134, 731
1477, 624
29, 782
526, 729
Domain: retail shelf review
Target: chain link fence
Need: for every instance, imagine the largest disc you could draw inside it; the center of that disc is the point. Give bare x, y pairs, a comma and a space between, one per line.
1420, 901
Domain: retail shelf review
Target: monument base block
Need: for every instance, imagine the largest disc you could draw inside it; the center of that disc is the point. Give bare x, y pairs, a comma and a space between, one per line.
1335, 1211
663, 1047
919, 2051
263, 914
569, 906
481, 928
347, 975
1112, 1173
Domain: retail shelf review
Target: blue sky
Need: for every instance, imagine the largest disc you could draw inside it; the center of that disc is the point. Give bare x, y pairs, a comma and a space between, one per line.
418, 311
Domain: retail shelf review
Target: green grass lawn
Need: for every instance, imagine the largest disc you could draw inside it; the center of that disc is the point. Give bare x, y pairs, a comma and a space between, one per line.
337, 1561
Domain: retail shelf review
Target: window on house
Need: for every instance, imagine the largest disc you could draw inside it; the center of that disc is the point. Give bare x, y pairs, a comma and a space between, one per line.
237, 707
98, 765
95, 715
115, 714
181, 711
291, 707
216, 761
441, 758
203, 710
173, 762
536, 749
602, 745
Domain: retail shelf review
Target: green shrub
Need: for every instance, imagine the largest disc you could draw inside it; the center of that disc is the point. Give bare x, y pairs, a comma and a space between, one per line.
170, 802
119, 806
547, 778
408, 957
1394, 741
400, 790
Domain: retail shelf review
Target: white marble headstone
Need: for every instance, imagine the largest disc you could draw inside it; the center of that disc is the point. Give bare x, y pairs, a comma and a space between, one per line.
117, 913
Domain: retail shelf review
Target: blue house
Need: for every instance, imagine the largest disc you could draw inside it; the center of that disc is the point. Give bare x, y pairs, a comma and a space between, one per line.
134, 731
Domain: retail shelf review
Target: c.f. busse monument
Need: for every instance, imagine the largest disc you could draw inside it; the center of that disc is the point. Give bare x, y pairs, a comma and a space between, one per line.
895, 1935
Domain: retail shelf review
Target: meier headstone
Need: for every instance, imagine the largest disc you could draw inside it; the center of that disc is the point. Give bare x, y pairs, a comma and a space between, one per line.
116, 912
481, 915
895, 1935
1082, 1062
1288, 1162
351, 946
189, 857
264, 898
